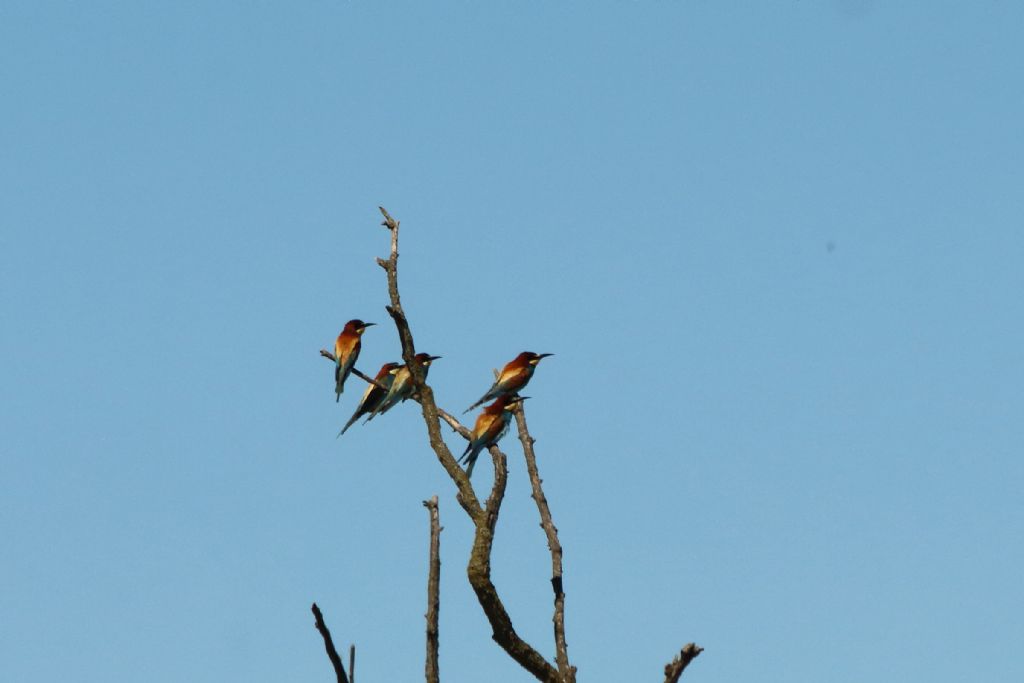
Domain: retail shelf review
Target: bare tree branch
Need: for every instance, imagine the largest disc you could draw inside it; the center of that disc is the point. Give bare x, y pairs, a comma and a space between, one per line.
674, 669
466, 497
484, 519
332, 654
433, 591
352, 663
479, 572
565, 669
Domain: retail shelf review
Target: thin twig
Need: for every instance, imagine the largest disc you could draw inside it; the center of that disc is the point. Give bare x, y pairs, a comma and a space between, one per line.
674, 669
433, 591
567, 670
332, 654
452, 422
366, 378
352, 663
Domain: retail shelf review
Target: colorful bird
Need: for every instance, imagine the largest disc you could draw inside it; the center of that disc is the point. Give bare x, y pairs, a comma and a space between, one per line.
346, 351
514, 376
490, 426
374, 393
402, 386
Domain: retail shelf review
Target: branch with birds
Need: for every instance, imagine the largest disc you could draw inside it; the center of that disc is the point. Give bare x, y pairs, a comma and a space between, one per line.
396, 382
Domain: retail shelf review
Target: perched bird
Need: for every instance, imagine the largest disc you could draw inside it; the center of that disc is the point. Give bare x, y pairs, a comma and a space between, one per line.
513, 377
374, 394
490, 426
346, 351
402, 386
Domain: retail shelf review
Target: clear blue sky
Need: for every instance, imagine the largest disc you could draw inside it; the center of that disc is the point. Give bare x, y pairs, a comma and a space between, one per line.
776, 248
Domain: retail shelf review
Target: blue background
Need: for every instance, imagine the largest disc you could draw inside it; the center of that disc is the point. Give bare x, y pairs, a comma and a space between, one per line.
776, 248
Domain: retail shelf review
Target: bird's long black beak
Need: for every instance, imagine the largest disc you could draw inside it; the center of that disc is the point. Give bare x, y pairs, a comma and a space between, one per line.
433, 357
544, 355
369, 324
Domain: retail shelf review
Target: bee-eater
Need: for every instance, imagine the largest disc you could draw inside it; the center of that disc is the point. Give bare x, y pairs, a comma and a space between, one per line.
402, 386
374, 394
490, 426
513, 377
346, 351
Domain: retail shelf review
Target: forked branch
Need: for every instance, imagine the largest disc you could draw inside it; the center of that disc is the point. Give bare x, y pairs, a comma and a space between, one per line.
479, 573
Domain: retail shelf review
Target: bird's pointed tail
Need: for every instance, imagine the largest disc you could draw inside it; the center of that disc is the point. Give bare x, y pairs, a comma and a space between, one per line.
351, 421
374, 413
469, 459
475, 405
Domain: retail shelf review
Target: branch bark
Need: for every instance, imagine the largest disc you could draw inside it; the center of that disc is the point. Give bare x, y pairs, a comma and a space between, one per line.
332, 653
565, 669
433, 591
675, 668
